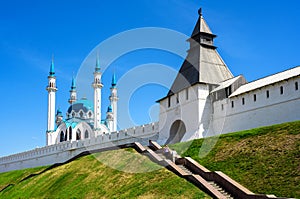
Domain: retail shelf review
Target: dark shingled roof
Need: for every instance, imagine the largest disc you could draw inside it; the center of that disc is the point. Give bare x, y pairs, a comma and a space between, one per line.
203, 64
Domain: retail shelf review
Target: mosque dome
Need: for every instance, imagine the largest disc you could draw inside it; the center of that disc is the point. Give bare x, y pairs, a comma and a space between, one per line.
84, 104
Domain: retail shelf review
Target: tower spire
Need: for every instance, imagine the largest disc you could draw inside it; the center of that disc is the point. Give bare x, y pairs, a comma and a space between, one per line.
73, 94
113, 98
51, 88
52, 72
97, 85
97, 68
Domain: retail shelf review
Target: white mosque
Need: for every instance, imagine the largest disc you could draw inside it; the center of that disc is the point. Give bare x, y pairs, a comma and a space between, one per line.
83, 117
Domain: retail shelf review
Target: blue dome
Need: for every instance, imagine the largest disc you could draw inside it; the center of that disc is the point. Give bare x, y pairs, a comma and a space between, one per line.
83, 104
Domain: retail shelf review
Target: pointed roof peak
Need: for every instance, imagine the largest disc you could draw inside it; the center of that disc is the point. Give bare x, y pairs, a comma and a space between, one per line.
52, 72
113, 81
73, 86
201, 25
109, 109
97, 69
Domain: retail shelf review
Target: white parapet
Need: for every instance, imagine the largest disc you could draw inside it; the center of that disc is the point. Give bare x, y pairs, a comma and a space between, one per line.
59, 153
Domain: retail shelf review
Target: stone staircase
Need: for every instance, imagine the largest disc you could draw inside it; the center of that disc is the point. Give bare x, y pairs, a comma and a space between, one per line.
212, 183
220, 189
215, 183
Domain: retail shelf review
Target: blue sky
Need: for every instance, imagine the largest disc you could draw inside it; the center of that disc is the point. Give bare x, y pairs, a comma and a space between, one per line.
255, 38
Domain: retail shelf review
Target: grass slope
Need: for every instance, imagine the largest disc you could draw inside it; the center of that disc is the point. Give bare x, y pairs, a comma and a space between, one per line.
265, 160
113, 174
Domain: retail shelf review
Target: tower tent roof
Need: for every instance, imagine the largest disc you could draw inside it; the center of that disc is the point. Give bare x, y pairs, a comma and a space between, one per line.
201, 25
203, 63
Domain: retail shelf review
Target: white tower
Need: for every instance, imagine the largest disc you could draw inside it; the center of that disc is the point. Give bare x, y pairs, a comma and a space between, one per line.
113, 102
73, 94
51, 88
110, 118
97, 85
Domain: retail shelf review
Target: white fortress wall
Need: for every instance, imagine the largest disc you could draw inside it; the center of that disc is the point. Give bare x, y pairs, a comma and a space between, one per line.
282, 105
59, 153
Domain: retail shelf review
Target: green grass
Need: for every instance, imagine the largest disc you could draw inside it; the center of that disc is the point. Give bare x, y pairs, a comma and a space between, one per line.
265, 160
113, 174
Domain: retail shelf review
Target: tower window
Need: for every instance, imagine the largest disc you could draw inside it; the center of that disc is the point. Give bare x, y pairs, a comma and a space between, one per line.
232, 104
177, 98
222, 107
81, 114
73, 114
254, 97
296, 86
268, 94
281, 90
90, 114
169, 101
243, 101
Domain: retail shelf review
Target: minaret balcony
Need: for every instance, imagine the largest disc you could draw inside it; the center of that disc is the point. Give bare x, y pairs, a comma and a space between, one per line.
51, 89
97, 85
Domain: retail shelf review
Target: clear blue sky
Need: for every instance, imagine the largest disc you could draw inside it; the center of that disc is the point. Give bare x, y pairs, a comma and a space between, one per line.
255, 38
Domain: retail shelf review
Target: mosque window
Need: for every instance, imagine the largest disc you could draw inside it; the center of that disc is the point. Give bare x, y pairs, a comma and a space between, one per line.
81, 114
73, 114
232, 104
86, 134
281, 90
78, 134
169, 101
90, 115
70, 133
243, 100
222, 107
296, 86
177, 98
66, 135
62, 136
268, 93
254, 97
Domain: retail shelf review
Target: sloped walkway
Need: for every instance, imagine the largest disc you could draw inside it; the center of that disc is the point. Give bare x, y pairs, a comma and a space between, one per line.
216, 184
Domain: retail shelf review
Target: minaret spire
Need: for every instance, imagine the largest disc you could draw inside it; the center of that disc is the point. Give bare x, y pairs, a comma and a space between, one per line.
113, 98
51, 88
97, 85
73, 93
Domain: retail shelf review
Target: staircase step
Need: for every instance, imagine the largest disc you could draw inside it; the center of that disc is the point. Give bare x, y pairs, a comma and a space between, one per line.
221, 190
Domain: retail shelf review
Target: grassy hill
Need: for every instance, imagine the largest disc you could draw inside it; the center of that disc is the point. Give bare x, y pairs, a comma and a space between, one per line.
112, 174
265, 160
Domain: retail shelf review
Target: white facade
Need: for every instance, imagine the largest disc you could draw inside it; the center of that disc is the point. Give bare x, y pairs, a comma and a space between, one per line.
272, 104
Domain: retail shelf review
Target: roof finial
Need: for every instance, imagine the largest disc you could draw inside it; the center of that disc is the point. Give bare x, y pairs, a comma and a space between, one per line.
200, 12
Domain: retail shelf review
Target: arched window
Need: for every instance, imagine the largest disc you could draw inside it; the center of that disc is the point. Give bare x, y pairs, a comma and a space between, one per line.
90, 115
66, 135
86, 134
62, 136
73, 114
78, 134
81, 114
70, 133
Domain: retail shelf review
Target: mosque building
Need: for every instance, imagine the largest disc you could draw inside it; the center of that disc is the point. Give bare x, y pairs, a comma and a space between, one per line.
83, 117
